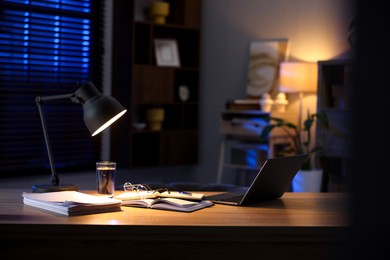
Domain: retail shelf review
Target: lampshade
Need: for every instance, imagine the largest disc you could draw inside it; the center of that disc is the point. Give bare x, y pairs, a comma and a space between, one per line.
100, 110
298, 77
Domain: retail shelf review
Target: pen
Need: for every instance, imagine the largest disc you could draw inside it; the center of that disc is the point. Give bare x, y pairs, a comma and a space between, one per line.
186, 193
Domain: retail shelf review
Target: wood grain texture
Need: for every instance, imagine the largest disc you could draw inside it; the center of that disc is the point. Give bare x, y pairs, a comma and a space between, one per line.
305, 224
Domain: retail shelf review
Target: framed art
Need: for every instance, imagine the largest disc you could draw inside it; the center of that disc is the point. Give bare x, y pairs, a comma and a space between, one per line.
263, 68
167, 53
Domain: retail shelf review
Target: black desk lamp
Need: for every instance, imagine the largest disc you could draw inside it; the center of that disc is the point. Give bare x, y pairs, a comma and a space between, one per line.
100, 111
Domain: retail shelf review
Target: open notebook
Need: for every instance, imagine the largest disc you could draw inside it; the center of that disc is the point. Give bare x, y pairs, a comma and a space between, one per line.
271, 182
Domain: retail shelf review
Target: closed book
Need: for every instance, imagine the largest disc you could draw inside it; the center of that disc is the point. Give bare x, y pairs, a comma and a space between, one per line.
243, 104
71, 202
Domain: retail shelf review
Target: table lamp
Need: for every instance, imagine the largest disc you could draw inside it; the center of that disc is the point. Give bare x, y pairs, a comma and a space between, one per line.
298, 77
100, 111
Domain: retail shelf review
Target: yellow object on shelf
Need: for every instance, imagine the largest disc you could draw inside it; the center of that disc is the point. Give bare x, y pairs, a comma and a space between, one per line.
155, 117
159, 11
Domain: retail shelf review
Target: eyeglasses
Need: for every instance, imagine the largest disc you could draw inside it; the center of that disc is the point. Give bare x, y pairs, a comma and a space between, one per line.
145, 189
129, 187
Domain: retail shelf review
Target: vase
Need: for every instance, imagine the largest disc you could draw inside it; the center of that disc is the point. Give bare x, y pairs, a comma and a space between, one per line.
307, 181
155, 117
266, 103
159, 11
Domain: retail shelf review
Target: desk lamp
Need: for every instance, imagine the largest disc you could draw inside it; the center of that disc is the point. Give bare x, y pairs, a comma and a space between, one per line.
100, 111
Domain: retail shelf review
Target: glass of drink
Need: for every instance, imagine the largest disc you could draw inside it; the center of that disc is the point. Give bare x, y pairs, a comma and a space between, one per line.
105, 177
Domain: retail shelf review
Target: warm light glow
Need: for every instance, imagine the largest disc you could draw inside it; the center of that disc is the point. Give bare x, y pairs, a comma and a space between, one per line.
298, 77
109, 122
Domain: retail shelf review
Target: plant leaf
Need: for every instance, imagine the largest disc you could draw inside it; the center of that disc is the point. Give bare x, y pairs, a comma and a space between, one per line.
290, 125
266, 131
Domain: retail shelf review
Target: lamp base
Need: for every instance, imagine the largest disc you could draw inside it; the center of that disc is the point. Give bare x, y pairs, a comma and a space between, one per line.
41, 188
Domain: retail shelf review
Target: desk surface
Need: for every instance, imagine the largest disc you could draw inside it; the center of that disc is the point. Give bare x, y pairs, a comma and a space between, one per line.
298, 217
292, 210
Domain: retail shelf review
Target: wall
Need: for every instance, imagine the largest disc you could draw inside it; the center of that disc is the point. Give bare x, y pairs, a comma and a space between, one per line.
316, 29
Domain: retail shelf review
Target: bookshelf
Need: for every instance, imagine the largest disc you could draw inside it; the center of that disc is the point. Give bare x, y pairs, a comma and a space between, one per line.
335, 88
143, 85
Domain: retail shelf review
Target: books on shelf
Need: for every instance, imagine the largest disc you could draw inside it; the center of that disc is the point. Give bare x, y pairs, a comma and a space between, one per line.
169, 204
71, 202
243, 104
166, 194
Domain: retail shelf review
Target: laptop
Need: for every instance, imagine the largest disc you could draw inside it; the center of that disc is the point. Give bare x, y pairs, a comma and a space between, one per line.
271, 182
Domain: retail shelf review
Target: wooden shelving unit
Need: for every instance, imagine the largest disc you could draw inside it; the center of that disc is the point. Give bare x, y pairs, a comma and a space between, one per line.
335, 98
141, 84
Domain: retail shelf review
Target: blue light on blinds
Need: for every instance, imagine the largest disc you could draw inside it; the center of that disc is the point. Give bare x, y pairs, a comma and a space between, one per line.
77, 5
48, 45
45, 48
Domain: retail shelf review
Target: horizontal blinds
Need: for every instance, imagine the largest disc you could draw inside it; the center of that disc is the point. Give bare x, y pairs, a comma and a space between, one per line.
46, 47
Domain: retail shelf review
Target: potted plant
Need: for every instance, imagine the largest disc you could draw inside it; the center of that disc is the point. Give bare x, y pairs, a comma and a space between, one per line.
302, 144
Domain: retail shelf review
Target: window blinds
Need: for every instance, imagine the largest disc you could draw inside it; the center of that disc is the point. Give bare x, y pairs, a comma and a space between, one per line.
45, 48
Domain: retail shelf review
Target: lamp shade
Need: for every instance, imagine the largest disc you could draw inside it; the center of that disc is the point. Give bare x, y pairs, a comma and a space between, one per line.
298, 77
100, 111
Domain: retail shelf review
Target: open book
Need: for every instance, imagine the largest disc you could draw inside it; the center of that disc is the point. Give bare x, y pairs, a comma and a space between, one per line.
169, 204
154, 195
71, 202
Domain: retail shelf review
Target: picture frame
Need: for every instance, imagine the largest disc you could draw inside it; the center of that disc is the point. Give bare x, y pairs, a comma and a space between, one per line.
263, 66
167, 53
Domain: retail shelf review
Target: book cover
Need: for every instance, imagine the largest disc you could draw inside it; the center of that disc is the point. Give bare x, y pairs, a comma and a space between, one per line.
169, 204
71, 202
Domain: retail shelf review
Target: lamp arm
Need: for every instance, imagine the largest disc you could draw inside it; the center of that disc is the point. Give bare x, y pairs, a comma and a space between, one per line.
39, 100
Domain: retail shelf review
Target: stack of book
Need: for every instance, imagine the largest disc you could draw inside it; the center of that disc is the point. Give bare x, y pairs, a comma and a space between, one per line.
71, 202
243, 104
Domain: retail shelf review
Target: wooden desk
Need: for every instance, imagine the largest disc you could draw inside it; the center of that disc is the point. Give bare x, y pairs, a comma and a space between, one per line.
297, 226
